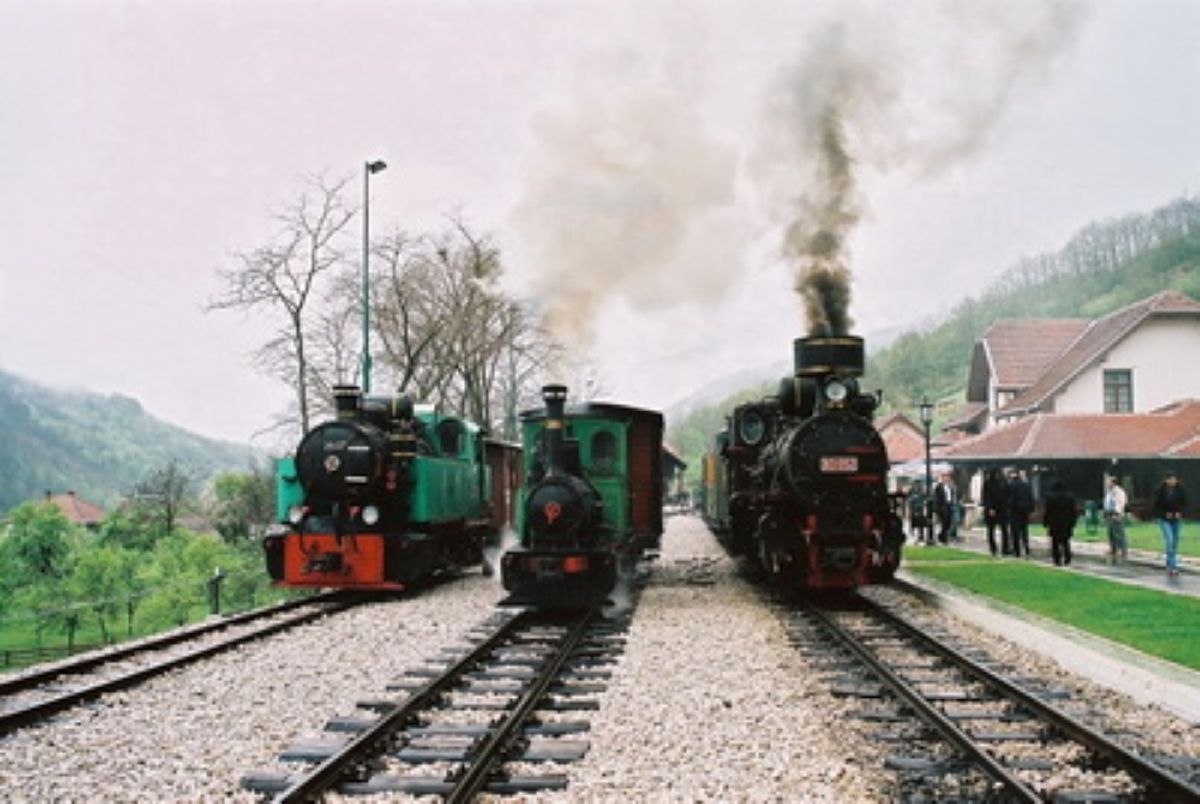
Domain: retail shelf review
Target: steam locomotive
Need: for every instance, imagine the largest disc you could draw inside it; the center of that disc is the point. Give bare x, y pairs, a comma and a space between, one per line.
386, 496
591, 504
798, 482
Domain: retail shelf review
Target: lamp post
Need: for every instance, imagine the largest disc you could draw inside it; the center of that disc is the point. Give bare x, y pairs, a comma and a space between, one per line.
926, 410
369, 168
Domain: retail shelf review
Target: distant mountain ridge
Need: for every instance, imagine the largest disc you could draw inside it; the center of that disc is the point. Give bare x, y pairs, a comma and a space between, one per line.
99, 446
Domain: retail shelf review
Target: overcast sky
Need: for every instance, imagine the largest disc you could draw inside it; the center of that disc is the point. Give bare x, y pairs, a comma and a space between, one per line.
636, 144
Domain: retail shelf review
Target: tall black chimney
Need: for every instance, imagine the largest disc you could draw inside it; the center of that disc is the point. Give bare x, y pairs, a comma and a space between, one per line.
820, 355
555, 397
346, 398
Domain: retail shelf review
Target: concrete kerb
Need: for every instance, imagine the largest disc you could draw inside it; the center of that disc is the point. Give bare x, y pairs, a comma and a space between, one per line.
1143, 678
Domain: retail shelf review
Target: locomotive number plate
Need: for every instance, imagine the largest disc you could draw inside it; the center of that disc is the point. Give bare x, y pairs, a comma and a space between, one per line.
839, 464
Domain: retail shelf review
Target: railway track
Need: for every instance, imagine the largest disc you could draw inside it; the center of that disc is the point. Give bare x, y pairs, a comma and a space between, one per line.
965, 730
477, 720
33, 696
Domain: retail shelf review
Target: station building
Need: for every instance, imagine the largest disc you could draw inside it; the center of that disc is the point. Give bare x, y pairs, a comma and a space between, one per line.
1078, 399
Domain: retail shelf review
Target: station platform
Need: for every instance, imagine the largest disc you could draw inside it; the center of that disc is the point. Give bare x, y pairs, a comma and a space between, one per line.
1143, 567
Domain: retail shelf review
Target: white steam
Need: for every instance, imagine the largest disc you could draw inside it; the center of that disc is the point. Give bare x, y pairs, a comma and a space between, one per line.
631, 196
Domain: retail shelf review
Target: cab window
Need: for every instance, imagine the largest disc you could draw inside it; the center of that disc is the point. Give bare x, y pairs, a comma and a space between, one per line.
604, 450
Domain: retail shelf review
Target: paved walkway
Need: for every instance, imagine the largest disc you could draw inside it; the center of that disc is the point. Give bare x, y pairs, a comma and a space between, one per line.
1143, 568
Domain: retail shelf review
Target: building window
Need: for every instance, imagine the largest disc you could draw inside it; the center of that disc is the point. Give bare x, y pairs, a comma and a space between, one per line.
1118, 391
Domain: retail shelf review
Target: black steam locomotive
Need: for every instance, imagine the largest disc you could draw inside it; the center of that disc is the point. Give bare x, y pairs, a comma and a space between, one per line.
798, 482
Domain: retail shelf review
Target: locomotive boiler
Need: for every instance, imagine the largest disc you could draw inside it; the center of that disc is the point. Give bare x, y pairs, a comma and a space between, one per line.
798, 482
383, 497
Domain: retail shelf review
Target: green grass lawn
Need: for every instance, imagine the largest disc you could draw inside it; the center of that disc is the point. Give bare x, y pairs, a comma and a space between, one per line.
1157, 623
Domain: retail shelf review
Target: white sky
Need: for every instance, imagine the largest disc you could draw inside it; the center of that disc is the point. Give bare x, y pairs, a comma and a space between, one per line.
142, 143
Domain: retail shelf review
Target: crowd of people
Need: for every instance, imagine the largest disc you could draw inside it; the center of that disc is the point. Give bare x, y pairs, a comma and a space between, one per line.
1007, 504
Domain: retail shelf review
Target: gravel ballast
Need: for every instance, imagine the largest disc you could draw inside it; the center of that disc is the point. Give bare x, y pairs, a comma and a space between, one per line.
707, 702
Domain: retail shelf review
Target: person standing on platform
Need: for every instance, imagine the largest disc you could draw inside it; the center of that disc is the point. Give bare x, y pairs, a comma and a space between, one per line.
1020, 506
1060, 517
916, 513
1115, 501
945, 507
1169, 501
995, 511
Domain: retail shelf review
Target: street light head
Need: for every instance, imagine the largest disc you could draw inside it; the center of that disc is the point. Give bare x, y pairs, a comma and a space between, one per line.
376, 166
926, 408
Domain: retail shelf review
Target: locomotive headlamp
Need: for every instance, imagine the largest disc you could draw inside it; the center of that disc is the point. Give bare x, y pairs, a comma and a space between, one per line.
370, 515
752, 428
836, 391
295, 514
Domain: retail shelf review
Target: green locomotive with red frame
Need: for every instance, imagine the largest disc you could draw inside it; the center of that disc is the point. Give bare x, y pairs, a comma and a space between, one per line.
591, 504
386, 496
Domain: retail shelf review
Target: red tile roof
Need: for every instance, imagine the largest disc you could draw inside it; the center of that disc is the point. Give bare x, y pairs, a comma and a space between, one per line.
76, 509
1098, 337
1170, 431
1021, 351
903, 439
965, 416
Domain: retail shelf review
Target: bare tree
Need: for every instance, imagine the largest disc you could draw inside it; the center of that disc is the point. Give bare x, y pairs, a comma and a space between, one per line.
448, 333
283, 277
163, 494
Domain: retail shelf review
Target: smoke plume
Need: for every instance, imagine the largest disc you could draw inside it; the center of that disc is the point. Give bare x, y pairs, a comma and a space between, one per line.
630, 195
617, 199
874, 94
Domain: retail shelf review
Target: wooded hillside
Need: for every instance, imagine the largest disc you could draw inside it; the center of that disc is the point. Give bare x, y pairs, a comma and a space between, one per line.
99, 446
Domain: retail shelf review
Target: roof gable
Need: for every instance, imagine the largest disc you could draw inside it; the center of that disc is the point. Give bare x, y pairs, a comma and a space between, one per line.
1098, 337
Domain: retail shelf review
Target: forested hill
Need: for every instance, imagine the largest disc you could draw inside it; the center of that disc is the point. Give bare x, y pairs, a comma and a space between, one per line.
99, 446
1105, 266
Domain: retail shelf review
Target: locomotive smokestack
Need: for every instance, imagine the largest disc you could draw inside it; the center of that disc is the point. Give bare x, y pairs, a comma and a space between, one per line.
347, 399
820, 355
555, 397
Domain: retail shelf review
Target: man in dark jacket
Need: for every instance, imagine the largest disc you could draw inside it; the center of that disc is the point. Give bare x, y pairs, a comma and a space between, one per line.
1169, 500
945, 507
1060, 518
995, 511
1020, 506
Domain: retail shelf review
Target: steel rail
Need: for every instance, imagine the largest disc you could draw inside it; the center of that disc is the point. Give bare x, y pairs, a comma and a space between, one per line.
20, 717
1016, 789
475, 777
25, 681
325, 775
1170, 787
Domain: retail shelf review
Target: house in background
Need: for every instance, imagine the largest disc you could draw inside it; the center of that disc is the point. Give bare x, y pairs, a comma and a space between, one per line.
77, 510
1130, 361
1078, 398
904, 438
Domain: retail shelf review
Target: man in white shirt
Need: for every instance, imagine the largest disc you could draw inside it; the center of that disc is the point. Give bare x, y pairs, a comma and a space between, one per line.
1114, 515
